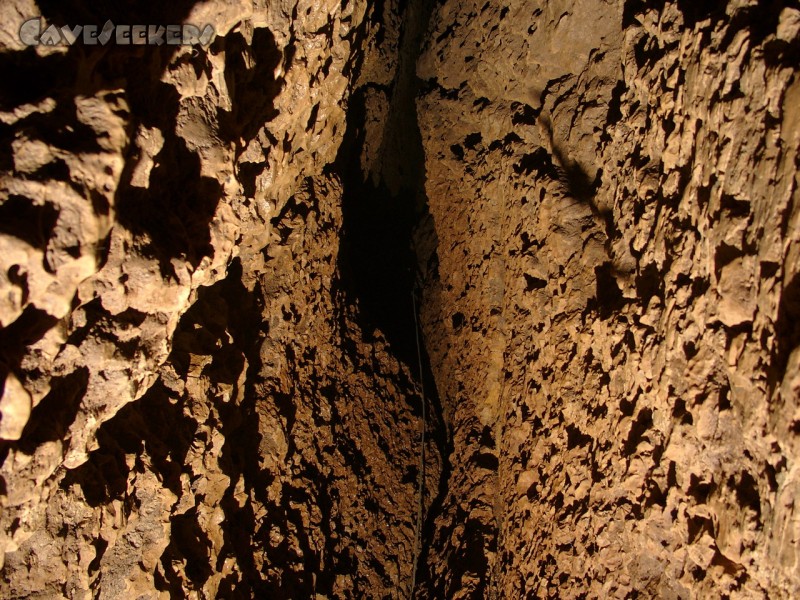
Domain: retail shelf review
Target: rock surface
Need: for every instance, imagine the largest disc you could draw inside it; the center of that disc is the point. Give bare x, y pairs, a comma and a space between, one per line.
611, 310
211, 385
193, 405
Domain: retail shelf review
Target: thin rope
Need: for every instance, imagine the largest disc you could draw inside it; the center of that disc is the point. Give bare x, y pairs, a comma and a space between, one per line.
421, 478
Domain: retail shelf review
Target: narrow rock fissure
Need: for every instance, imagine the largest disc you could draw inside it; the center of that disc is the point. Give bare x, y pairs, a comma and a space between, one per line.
384, 208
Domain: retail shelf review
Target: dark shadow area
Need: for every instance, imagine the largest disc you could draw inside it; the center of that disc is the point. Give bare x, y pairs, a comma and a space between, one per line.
250, 78
466, 557
30, 327
578, 184
225, 322
52, 417
27, 329
34, 78
608, 296
172, 217
787, 331
438, 432
376, 262
154, 425
128, 12
471, 557
760, 19
86, 69
700, 10
188, 541
693, 10
383, 213
576, 179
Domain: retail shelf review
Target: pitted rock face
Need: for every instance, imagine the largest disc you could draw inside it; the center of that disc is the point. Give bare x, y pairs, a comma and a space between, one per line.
190, 405
628, 178
213, 260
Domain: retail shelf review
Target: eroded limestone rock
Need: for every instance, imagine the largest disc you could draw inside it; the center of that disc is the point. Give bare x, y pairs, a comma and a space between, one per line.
208, 418
210, 378
613, 190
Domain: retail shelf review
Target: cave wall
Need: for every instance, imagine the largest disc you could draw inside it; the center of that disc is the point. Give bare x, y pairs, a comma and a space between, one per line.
611, 297
211, 385
193, 405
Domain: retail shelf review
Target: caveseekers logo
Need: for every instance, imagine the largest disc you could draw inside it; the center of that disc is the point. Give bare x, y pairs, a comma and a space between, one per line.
35, 32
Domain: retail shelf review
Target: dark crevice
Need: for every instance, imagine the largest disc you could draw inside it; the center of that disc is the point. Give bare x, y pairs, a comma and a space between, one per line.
51, 419
787, 329
384, 211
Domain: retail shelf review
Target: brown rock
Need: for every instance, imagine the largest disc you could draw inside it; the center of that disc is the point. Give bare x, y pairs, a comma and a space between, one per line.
214, 260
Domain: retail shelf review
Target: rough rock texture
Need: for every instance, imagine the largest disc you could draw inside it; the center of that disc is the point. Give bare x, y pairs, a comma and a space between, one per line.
211, 262
611, 303
191, 405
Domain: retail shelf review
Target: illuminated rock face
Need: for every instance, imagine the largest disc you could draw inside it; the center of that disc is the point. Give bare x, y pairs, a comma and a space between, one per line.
208, 253
613, 318
193, 403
